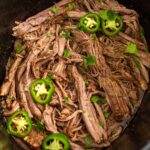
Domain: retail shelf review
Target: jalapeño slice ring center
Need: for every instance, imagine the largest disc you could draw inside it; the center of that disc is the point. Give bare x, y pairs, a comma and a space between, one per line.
41, 89
54, 144
90, 22
20, 124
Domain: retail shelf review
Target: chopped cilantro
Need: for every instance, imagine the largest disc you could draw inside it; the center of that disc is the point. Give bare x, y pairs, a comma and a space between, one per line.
138, 64
66, 100
66, 34
132, 49
98, 99
54, 9
107, 14
50, 75
11, 97
48, 34
70, 6
86, 82
19, 48
88, 141
103, 14
106, 115
111, 15
101, 124
88, 61
66, 53
95, 98
94, 36
133, 103
39, 126
113, 133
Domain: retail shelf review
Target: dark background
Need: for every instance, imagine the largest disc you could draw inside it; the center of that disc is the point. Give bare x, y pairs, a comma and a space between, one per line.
137, 135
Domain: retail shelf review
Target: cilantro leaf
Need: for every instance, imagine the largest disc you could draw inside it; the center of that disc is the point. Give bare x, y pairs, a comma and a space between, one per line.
54, 10
66, 53
86, 82
70, 6
88, 61
48, 34
66, 34
50, 76
88, 141
19, 48
107, 14
137, 64
103, 14
12, 98
133, 103
106, 115
66, 100
113, 133
39, 126
101, 124
132, 49
111, 15
94, 36
98, 99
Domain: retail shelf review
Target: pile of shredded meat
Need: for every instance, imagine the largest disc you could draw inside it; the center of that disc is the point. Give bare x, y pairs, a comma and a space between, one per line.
114, 77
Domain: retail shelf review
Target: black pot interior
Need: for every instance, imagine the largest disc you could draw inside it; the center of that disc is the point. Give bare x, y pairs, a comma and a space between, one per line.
137, 135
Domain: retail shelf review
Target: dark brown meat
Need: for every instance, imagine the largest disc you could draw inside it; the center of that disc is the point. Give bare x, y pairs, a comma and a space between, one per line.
22, 97
76, 146
87, 5
49, 119
22, 143
115, 98
144, 72
22, 67
15, 106
100, 115
4, 89
31, 23
35, 139
37, 65
84, 103
27, 81
59, 68
33, 107
115, 6
63, 2
11, 76
137, 74
145, 58
75, 14
62, 44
